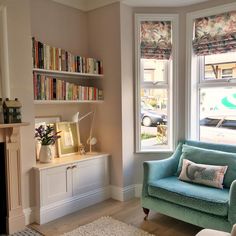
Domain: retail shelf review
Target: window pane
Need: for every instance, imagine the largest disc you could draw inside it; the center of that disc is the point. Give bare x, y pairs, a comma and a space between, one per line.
153, 119
218, 115
154, 70
220, 66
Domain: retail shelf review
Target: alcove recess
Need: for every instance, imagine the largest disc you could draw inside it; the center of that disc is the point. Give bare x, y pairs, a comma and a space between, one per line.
10, 136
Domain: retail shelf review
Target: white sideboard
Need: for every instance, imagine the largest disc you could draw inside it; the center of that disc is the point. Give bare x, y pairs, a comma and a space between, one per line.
70, 184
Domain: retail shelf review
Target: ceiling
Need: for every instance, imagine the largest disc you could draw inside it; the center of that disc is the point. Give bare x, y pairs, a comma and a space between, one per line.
87, 5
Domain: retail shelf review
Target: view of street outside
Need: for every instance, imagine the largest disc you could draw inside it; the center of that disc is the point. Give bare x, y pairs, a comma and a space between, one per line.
218, 105
154, 103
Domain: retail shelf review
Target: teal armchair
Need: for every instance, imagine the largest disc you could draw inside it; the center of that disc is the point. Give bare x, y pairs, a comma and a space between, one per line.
200, 205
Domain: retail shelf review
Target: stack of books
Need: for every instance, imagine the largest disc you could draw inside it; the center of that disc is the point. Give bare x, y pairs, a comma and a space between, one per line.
52, 58
49, 88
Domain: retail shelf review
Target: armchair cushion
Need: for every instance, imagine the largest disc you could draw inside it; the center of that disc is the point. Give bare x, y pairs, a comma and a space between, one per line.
210, 157
202, 198
208, 175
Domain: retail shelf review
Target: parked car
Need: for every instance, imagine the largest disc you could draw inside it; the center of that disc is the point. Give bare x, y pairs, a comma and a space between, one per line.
219, 129
219, 121
150, 117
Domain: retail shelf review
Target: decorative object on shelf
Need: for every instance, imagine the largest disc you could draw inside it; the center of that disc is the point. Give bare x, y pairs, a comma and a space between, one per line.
50, 120
12, 111
47, 137
70, 139
91, 140
82, 149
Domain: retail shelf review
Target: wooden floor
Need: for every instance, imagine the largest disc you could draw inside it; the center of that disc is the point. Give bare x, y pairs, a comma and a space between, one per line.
129, 212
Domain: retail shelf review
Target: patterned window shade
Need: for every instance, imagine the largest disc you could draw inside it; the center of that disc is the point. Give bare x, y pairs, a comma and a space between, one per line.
155, 39
215, 34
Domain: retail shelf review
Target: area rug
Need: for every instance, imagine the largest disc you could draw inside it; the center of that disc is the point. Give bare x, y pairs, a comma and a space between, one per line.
107, 226
27, 232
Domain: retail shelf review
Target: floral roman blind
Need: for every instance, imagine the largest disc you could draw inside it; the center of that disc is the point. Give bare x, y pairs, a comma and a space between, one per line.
155, 39
215, 34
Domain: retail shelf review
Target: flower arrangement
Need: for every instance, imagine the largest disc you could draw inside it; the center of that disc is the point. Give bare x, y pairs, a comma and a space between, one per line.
46, 135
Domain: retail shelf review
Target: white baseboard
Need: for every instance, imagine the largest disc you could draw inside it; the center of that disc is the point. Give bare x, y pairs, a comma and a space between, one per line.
65, 207
123, 194
138, 190
62, 208
29, 215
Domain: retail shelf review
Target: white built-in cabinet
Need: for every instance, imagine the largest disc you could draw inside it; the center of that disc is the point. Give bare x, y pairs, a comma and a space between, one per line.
69, 184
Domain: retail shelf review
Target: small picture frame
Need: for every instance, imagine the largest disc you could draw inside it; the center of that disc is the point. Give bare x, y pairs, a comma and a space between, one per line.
69, 142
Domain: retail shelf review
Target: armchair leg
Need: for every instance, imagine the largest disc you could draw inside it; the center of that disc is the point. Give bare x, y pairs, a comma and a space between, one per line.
146, 212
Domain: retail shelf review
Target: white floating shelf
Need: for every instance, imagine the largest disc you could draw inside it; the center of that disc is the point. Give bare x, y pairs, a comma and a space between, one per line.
67, 73
66, 101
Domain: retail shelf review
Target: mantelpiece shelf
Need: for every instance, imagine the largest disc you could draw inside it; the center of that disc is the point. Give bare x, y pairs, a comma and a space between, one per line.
54, 102
67, 73
5, 126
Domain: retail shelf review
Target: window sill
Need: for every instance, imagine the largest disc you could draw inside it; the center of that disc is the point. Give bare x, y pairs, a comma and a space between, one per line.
155, 152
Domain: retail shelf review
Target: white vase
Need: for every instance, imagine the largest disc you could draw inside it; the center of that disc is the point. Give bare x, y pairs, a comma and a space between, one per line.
46, 154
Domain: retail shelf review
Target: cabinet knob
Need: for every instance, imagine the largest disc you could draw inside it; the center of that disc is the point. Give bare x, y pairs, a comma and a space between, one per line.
69, 167
74, 166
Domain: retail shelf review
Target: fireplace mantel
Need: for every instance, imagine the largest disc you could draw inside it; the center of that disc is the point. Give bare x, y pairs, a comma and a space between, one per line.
10, 135
14, 125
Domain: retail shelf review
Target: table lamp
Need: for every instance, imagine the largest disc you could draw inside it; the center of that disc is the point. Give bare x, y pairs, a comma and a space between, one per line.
91, 140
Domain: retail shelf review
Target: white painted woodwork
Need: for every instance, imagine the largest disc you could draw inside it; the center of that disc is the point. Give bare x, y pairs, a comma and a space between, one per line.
84, 182
57, 184
67, 73
69, 184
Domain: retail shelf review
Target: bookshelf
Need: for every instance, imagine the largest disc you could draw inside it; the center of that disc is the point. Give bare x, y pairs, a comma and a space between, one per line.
59, 77
58, 102
67, 73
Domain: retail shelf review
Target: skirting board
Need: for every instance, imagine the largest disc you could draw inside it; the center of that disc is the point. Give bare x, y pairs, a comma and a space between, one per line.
29, 215
126, 193
62, 208
117, 193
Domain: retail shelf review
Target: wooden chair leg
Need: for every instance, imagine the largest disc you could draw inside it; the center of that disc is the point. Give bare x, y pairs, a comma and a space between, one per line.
146, 212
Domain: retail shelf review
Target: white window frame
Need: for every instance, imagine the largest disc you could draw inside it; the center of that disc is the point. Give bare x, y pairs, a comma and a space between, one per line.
170, 84
193, 75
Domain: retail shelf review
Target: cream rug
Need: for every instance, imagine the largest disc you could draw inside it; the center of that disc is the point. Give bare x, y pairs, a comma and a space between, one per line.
107, 226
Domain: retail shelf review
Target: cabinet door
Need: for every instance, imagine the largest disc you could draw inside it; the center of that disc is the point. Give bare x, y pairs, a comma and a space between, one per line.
89, 175
56, 184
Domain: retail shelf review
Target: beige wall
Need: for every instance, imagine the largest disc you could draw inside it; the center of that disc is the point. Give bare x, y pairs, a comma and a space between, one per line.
18, 24
104, 43
59, 26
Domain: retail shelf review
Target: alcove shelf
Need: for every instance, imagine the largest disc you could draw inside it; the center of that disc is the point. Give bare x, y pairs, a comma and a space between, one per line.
60, 102
67, 73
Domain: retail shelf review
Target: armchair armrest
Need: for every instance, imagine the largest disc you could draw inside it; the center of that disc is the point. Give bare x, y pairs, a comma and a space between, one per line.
158, 169
232, 203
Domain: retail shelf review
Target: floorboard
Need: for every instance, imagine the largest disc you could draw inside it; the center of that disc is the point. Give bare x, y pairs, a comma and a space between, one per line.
129, 212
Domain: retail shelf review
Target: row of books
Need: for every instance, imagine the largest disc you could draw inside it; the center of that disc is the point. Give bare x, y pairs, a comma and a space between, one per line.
52, 58
49, 88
